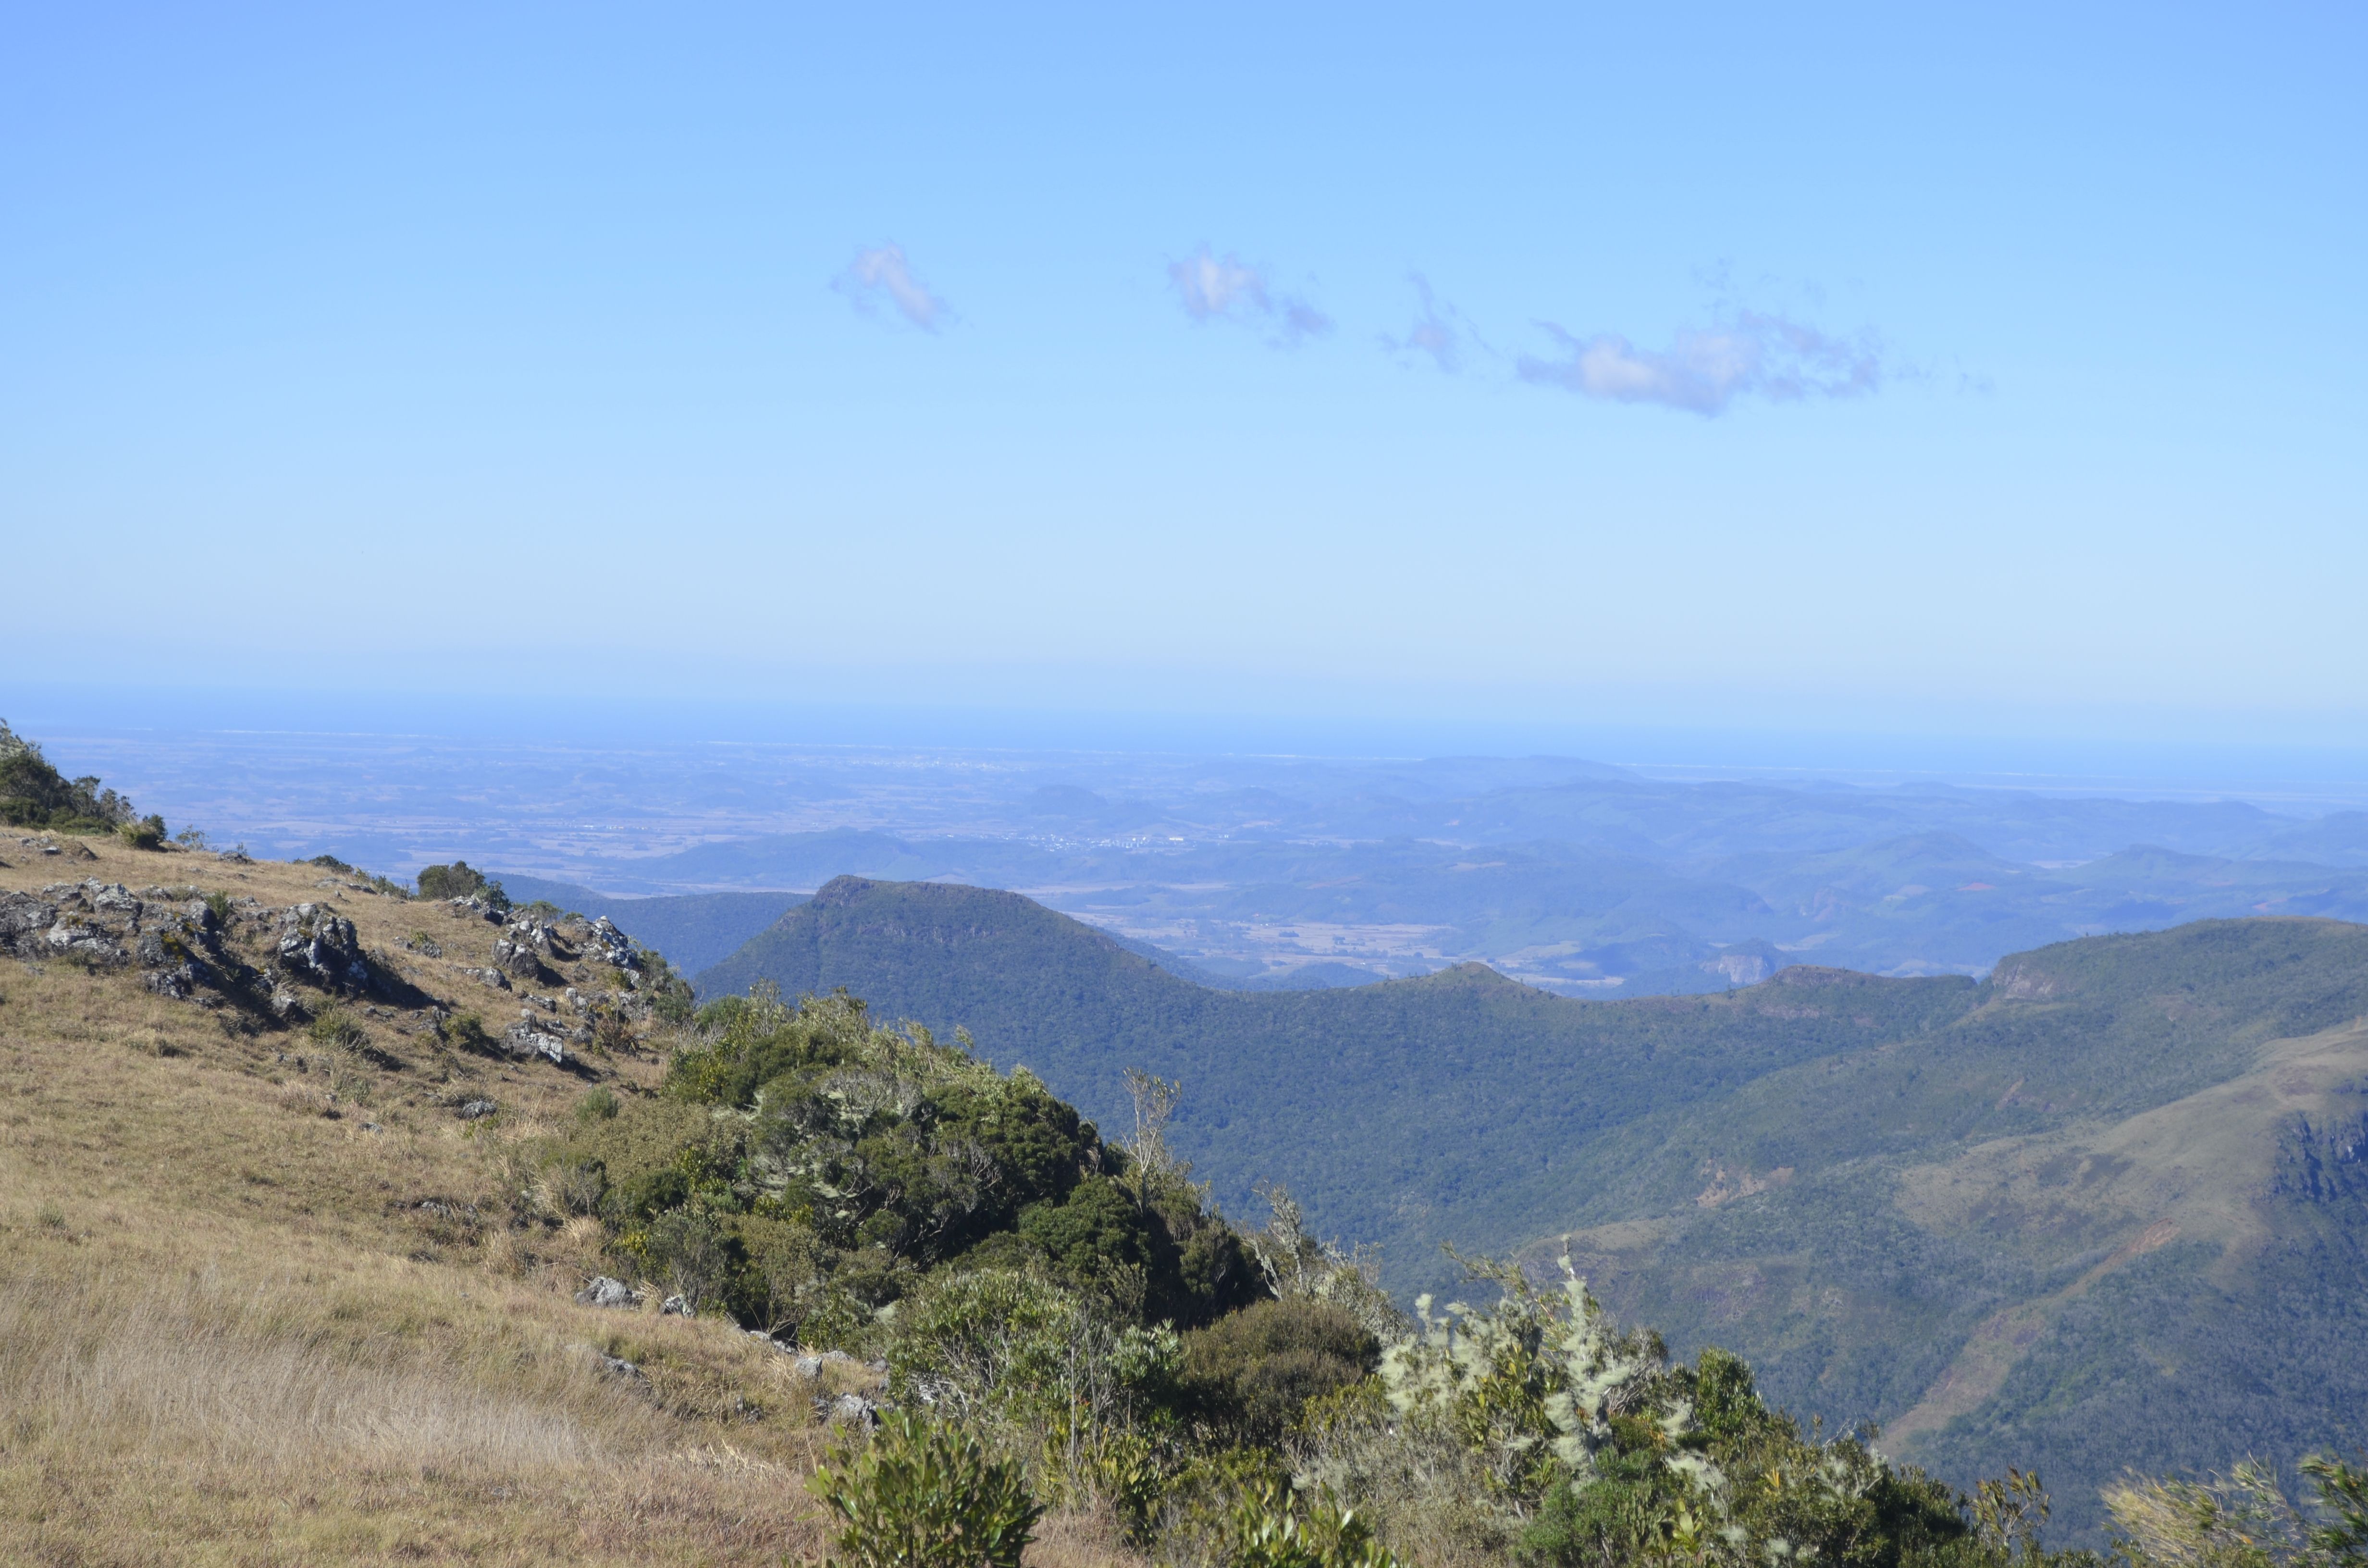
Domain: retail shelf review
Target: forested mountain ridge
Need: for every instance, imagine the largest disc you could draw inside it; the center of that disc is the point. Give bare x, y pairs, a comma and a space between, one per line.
1390, 1109
1996, 1215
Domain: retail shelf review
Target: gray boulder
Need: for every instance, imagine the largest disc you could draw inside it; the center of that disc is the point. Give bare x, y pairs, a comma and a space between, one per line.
24, 922
114, 902
76, 938
524, 1040
604, 1291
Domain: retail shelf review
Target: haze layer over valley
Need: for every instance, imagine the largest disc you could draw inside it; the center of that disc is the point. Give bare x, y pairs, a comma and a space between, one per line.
1585, 877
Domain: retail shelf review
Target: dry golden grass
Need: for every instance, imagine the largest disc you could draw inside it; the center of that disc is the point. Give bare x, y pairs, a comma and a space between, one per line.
266, 1302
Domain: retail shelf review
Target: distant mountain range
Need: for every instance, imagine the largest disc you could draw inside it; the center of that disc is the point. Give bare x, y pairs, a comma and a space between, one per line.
1655, 917
2106, 1202
1580, 877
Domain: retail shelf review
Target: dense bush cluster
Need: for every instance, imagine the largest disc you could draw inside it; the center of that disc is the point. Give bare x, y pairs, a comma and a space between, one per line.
1066, 1321
833, 1165
459, 880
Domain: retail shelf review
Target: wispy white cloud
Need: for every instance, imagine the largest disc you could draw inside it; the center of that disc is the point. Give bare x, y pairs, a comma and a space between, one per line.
1215, 288
1441, 331
881, 276
1748, 354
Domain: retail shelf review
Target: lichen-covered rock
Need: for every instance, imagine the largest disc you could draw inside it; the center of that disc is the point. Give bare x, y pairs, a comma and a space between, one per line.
71, 937
116, 902
536, 934
523, 1039
318, 946
604, 1291
24, 922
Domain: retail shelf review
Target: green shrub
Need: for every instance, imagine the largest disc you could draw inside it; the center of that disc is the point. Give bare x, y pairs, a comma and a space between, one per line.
697, 1258
599, 1104
1251, 1373
1274, 1531
191, 838
925, 1495
330, 863
720, 1013
142, 832
220, 905
459, 880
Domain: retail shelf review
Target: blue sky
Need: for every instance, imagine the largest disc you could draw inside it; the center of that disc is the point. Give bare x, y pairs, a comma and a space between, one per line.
1985, 367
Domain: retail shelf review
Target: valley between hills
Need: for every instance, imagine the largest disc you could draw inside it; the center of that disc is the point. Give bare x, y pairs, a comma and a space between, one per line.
2012, 1221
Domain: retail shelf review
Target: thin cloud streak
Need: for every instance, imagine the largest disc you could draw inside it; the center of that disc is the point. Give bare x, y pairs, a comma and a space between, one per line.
883, 275
1213, 287
1749, 355
1441, 331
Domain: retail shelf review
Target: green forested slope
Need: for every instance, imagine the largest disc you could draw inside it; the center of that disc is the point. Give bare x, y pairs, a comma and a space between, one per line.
1408, 1113
2108, 1208
2126, 1185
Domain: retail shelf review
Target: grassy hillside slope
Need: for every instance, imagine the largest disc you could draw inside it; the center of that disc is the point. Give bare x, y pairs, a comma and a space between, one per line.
278, 1293
2121, 1179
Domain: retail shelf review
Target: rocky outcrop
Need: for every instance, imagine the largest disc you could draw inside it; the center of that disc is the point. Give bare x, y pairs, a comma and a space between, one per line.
520, 960
318, 947
610, 946
170, 933
25, 921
